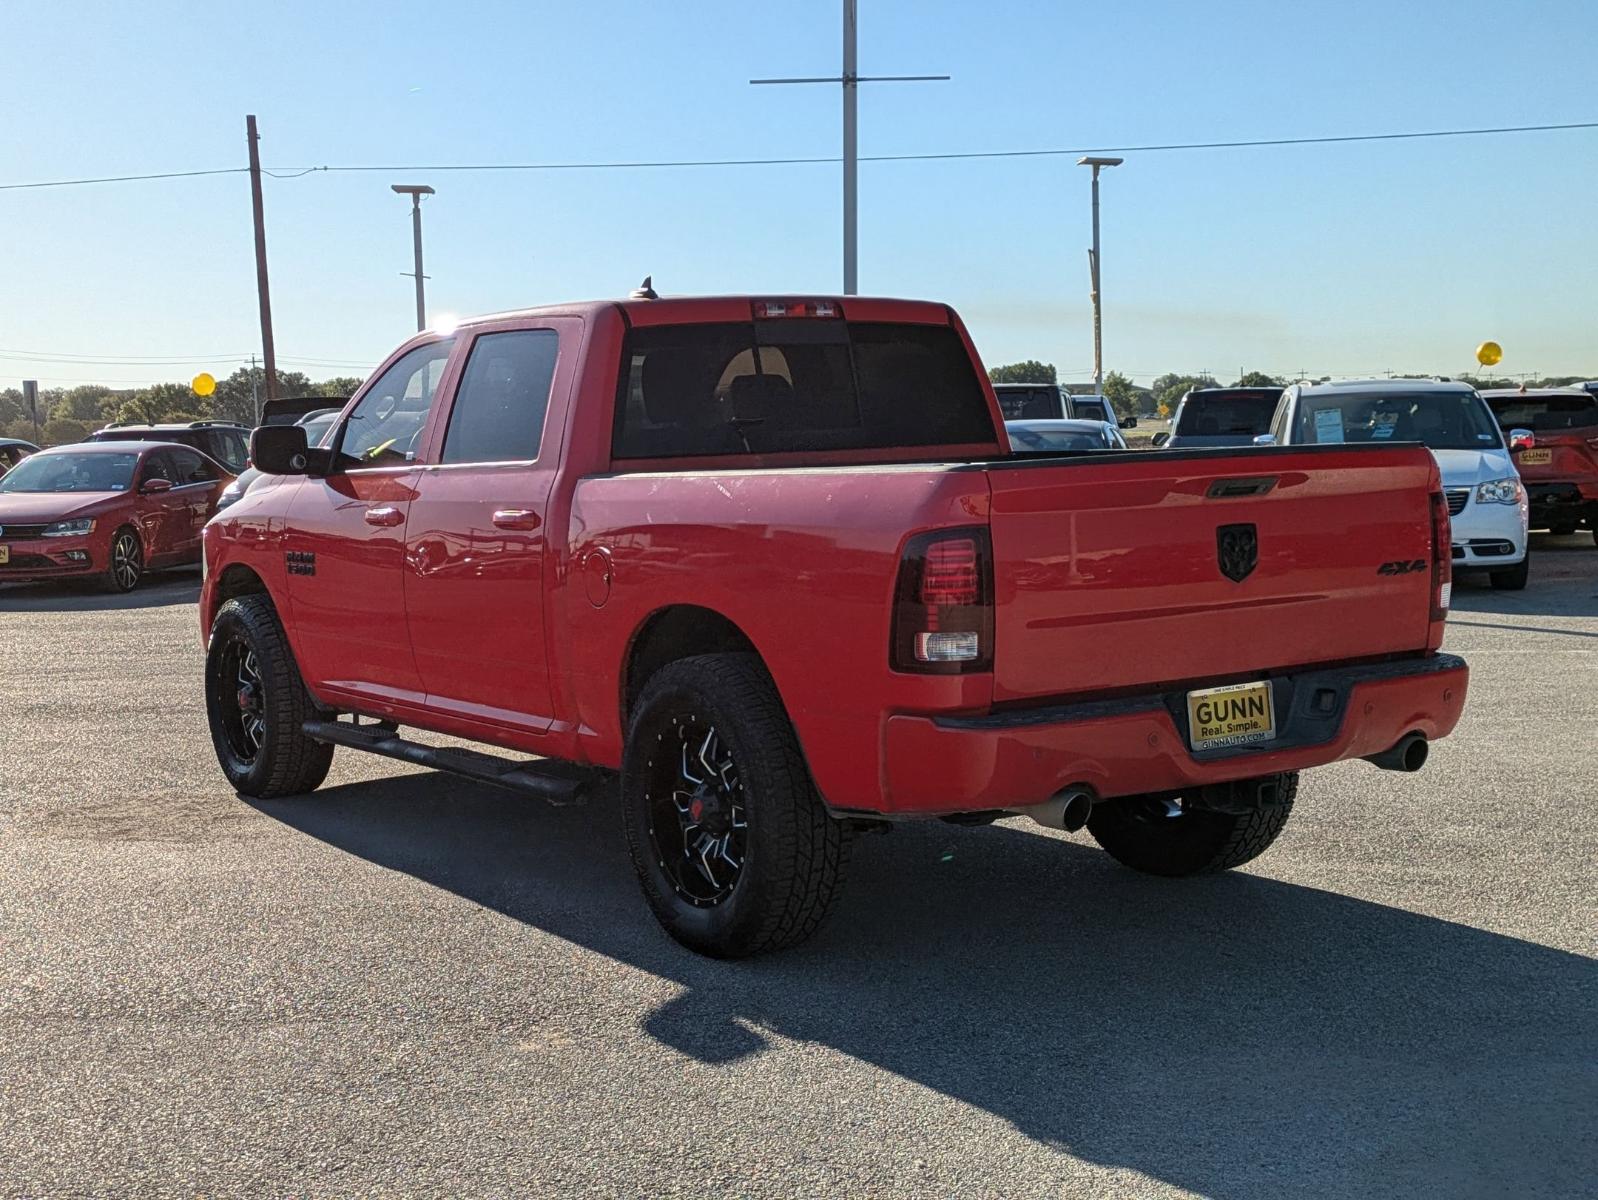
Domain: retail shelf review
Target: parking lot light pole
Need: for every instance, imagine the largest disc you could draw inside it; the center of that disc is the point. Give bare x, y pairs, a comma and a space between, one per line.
1093, 270
416, 191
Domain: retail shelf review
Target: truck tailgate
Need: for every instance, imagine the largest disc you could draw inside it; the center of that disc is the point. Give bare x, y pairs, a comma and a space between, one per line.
1124, 571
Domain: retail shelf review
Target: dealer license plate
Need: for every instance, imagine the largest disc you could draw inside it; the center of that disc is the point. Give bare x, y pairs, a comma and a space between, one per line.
1536, 458
1234, 715
5, 555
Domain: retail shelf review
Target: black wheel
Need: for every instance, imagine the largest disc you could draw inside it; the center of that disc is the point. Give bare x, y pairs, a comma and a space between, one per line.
126, 565
1171, 837
735, 850
1512, 579
257, 704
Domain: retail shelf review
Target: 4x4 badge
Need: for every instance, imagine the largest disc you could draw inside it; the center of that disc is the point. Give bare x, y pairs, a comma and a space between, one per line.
1237, 550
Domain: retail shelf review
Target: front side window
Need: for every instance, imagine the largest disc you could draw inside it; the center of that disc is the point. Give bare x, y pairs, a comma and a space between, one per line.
159, 466
1439, 420
498, 414
773, 387
71, 473
190, 466
385, 429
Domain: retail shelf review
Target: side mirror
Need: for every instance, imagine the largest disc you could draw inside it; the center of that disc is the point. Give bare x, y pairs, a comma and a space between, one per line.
280, 450
1159, 439
1128, 422
154, 487
1522, 439
1265, 439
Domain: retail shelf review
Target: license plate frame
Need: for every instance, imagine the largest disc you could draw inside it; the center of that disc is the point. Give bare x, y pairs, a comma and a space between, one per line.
1537, 457
1246, 715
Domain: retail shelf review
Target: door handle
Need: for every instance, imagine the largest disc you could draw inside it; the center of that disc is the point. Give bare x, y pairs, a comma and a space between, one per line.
384, 515
516, 518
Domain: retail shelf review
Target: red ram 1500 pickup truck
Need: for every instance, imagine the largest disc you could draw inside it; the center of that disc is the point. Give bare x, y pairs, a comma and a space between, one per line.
771, 560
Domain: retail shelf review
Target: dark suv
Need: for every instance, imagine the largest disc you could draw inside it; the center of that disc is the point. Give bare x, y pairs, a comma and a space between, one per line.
226, 441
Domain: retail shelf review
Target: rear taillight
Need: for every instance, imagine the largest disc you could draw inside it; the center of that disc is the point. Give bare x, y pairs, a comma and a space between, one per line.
943, 604
1442, 557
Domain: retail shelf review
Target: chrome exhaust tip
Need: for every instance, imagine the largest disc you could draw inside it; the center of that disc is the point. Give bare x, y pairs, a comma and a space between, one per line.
1067, 809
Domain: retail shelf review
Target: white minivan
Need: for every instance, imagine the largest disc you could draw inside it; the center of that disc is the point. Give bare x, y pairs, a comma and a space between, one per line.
1485, 496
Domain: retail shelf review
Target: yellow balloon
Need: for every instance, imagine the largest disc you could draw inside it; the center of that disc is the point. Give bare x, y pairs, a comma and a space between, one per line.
203, 384
1489, 354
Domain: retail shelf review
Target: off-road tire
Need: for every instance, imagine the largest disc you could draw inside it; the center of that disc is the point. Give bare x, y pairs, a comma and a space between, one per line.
1512, 579
286, 763
125, 568
1196, 842
794, 851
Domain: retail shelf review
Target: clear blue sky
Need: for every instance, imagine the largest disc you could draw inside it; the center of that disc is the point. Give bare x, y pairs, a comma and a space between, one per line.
1342, 259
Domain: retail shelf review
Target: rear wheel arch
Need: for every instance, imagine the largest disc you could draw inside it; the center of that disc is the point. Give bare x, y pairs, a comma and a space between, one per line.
675, 632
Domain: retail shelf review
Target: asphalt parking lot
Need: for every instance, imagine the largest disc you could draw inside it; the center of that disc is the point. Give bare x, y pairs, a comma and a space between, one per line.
413, 984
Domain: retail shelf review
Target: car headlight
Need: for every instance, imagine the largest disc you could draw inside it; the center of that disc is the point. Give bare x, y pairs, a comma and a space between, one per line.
76, 528
1499, 491
229, 494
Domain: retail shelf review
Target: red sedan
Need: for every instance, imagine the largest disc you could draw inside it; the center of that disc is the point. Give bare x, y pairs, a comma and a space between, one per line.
105, 511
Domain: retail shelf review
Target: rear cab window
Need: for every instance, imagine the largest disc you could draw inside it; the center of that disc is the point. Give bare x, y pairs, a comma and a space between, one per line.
767, 387
1038, 403
1219, 414
1545, 414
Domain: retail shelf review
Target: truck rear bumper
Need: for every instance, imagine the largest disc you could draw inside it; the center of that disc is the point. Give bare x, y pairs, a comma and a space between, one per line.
1138, 744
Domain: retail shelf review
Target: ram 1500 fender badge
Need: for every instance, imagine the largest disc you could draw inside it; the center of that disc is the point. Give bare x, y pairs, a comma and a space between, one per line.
1237, 550
301, 562
1402, 566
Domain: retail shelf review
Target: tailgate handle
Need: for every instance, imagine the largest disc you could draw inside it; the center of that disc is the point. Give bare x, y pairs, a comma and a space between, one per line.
1228, 489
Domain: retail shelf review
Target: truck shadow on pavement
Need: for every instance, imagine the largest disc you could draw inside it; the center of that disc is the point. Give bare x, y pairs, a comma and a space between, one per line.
158, 590
1233, 1035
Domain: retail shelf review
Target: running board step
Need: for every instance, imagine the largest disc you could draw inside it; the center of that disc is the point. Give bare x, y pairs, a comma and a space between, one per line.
545, 779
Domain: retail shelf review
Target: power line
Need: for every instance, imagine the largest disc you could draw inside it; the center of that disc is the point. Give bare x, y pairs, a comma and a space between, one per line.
106, 360
51, 183
804, 160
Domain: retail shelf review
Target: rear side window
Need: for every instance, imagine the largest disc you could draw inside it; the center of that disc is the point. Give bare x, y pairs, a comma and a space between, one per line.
229, 448
1220, 415
773, 387
1545, 414
1029, 404
499, 407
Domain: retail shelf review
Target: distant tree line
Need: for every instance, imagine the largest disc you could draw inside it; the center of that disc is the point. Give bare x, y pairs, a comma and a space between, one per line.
69, 414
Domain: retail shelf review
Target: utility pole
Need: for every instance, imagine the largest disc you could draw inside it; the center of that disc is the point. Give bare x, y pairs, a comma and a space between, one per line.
1093, 268
268, 351
850, 79
255, 391
416, 191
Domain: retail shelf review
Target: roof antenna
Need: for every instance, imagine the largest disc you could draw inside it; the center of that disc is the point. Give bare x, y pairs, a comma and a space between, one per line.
645, 290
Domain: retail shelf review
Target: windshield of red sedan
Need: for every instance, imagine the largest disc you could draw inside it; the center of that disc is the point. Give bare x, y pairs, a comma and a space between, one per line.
71, 473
